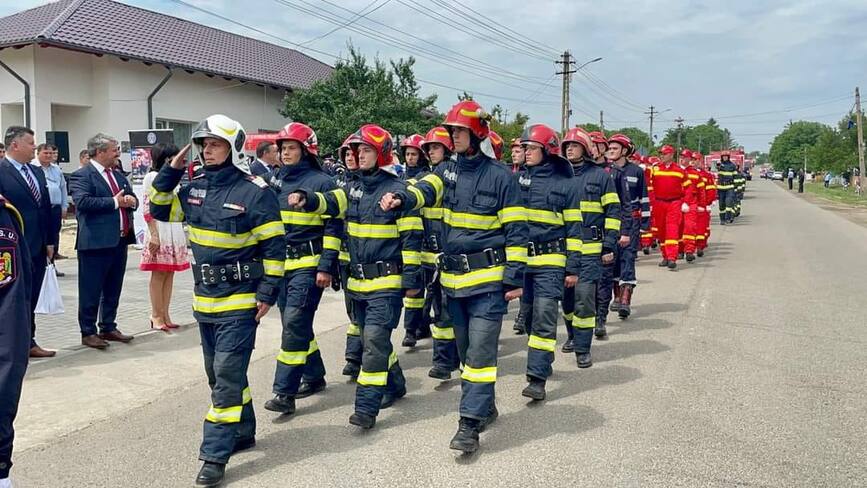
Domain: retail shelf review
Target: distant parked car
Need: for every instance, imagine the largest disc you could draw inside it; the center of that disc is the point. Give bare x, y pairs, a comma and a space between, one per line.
748, 175
777, 175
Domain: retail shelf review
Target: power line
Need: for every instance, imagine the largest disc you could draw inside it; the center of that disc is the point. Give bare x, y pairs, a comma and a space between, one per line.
784, 110
473, 92
361, 14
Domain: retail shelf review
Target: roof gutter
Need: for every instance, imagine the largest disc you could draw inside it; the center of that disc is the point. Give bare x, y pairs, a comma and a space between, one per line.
153, 94
26, 92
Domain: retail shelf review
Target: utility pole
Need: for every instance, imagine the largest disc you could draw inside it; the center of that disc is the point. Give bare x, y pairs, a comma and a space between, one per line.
651, 114
602, 121
805, 160
679, 122
860, 137
567, 71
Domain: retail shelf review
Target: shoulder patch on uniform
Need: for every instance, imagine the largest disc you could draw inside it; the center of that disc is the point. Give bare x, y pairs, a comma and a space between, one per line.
8, 269
258, 181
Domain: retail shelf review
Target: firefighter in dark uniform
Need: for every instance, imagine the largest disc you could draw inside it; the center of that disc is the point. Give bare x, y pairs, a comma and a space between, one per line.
600, 212
239, 250
484, 254
740, 182
725, 188
15, 282
312, 246
626, 226
354, 346
554, 250
439, 148
415, 321
385, 265
620, 148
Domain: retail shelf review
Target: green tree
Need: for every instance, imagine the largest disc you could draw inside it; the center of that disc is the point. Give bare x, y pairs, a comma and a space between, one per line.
590, 127
706, 137
787, 149
358, 93
507, 129
830, 152
639, 138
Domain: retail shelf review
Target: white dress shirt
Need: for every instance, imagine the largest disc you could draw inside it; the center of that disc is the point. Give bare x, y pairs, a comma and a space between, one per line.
101, 170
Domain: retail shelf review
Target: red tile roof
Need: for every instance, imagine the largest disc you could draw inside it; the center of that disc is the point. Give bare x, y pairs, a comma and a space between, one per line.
109, 27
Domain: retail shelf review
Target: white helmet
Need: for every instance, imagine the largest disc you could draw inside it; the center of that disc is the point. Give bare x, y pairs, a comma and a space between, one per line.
222, 127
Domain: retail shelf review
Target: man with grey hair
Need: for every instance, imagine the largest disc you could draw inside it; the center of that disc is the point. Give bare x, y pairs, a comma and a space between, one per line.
104, 205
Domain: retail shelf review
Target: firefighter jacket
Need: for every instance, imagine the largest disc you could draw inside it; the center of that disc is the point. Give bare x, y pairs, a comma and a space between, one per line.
312, 241
726, 171
554, 220
236, 236
697, 185
670, 182
739, 181
626, 208
636, 187
600, 208
342, 179
484, 224
709, 186
384, 246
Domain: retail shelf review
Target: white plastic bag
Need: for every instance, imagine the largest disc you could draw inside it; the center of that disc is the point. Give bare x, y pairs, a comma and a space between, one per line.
50, 301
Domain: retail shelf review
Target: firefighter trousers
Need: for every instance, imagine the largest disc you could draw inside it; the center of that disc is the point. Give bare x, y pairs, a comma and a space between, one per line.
703, 235
445, 349
477, 322
670, 217
380, 370
605, 287
584, 318
226, 348
299, 352
726, 205
624, 272
691, 229
544, 287
354, 346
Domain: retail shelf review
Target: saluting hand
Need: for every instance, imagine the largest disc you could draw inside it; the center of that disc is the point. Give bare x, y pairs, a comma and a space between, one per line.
180, 159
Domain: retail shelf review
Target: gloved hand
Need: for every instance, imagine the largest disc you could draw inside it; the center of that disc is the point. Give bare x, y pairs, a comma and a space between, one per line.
699, 209
684, 207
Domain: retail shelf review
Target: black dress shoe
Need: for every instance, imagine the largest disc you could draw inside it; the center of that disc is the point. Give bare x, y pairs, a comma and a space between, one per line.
388, 399
308, 389
672, 265
283, 404
646, 251
700, 253
663, 263
584, 360
244, 444
409, 340
362, 420
351, 369
490, 419
440, 373
568, 346
535, 390
690, 257
211, 474
467, 437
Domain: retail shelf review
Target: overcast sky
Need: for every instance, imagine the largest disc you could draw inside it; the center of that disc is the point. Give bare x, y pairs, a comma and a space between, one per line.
751, 64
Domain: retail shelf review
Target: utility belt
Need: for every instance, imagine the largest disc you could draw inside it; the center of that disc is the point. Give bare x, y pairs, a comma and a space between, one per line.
214, 274
309, 248
556, 246
375, 270
464, 263
593, 233
431, 244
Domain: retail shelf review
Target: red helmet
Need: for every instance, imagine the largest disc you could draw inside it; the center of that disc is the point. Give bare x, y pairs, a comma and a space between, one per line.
376, 137
441, 135
415, 141
697, 155
653, 160
726, 153
686, 153
666, 149
580, 136
301, 133
516, 142
637, 157
341, 151
543, 135
598, 137
471, 115
624, 142
497, 143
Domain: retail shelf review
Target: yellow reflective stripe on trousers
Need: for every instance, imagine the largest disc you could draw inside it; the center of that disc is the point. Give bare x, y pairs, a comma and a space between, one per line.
227, 415
246, 396
479, 375
376, 284
273, 267
442, 333
292, 358
591, 207
470, 221
300, 218
223, 240
411, 257
373, 231
473, 278
547, 260
671, 242
542, 344
584, 322
372, 379
573, 244
507, 215
516, 254
353, 330
612, 224
591, 248
238, 301
268, 230
405, 224
544, 216
331, 243
572, 215
413, 302
302, 262
609, 198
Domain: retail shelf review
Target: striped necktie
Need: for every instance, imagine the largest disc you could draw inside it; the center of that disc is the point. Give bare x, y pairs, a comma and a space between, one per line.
34, 190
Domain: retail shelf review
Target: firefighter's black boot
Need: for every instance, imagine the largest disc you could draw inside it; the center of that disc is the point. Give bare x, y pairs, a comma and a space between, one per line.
663, 263
362, 420
467, 437
409, 340
584, 360
690, 257
351, 369
310, 388
535, 389
211, 474
282, 404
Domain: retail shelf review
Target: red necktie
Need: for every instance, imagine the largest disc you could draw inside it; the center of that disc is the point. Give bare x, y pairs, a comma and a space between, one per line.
124, 218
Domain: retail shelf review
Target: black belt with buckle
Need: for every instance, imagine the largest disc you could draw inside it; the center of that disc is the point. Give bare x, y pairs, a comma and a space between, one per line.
375, 270
214, 274
309, 248
431, 244
465, 263
551, 247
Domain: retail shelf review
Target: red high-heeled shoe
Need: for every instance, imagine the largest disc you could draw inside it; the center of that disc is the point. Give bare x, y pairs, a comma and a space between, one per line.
172, 326
164, 327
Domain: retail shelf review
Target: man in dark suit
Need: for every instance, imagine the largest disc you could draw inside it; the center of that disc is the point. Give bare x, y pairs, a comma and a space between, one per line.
267, 160
25, 187
104, 205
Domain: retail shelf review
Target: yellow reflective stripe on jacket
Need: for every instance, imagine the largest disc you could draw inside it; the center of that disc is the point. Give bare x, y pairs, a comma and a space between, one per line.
343, 256
437, 183
353, 330
376, 284
419, 196
545, 216
480, 375
572, 215
591, 207
677, 174
612, 224
331, 243
366, 378
227, 415
411, 257
516, 254
686, 183
541, 343
442, 333
508, 215
268, 230
547, 260
473, 278
300, 218
608, 199
273, 267
223, 240
238, 301
573, 244
413, 302
726, 173
470, 221
591, 248
176, 213
428, 257
692, 176
405, 224
160, 197
373, 231
292, 358
246, 396
584, 322
432, 213
302, 262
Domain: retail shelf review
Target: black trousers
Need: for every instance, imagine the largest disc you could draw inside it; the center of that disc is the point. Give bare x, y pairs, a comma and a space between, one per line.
100, 281
54, 226
37, 267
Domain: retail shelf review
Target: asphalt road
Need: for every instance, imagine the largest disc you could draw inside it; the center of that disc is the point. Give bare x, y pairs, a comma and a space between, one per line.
745, 369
